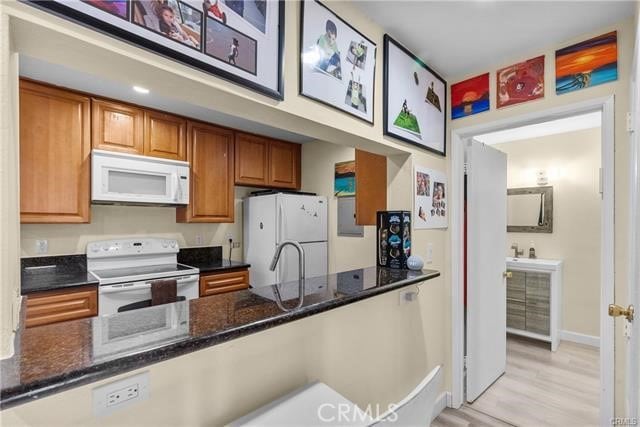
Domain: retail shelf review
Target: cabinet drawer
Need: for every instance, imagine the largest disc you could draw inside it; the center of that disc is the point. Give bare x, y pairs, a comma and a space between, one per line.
515, 314
538, 321
516, 286
57, 306
224, 282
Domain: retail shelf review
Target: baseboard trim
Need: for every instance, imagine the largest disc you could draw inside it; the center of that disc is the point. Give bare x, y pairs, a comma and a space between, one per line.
443, 401
579, 338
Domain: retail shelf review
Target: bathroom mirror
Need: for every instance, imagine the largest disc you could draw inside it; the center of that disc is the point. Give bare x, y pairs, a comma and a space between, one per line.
530, 210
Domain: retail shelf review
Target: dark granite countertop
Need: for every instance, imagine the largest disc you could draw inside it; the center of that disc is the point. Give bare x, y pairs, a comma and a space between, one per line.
53, 358
54, 272
208, 259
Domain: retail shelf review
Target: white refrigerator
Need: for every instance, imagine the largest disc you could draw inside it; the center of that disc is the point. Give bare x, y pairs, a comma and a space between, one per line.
272, 218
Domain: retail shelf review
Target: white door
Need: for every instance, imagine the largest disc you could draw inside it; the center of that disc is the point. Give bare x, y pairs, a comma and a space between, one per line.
486, 324
302, 218
633, 352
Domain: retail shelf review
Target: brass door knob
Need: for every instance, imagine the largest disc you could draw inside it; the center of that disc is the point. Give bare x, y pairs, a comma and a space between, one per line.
507, 275
616, 310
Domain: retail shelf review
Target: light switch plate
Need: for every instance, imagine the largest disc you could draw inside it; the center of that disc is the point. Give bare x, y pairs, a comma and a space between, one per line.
429, 259
119, 394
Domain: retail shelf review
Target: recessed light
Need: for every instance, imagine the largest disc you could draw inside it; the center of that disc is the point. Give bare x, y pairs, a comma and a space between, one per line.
141, 89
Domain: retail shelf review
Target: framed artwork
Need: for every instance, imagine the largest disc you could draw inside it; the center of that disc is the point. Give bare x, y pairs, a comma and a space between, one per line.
337, 63
520, 82
240, 41
415, 99
345, 179
589, 63
470, 96
430, 207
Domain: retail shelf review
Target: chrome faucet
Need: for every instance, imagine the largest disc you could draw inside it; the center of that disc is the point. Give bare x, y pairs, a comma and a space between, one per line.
301, 274
517, 252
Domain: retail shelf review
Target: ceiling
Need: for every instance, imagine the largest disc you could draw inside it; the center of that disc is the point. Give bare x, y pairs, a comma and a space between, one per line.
553, 127
60, 75
457, 38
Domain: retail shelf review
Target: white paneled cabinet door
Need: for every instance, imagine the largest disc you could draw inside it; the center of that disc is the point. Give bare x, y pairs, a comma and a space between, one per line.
486, 288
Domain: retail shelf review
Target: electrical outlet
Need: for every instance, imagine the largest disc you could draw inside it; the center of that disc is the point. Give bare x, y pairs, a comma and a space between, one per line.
119, 394
42, 246
199, 240
429, 259
407, 295
236, 245
228, 236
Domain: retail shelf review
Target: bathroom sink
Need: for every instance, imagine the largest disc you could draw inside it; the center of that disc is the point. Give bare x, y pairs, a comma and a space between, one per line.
540, 263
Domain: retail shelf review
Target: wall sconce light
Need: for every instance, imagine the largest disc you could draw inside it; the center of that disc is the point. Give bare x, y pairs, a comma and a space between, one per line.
542, 178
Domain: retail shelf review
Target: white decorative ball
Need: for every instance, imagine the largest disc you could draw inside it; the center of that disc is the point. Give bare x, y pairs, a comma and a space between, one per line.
415, 263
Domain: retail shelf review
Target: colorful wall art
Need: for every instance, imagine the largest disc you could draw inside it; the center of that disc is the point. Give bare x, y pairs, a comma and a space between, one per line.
589, 63
237, 40
430, 207
520, 82
345, 179
337, 63
470, 96
415, 99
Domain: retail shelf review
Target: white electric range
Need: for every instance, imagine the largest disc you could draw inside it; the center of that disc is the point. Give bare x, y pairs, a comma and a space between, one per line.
125, 269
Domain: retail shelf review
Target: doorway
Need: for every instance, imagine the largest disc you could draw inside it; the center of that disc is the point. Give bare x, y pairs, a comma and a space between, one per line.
599, 360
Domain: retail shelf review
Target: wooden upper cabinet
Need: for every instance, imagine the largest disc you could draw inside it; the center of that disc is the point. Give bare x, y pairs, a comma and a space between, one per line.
55, 144
252, 160
371, 186
117, 127
210, 153
284, 165
164, 136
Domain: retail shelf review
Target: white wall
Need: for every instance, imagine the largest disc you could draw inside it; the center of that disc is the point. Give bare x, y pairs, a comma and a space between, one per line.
572, 162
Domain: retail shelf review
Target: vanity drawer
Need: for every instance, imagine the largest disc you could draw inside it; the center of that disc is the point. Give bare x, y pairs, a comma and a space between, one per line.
516, 286
218, 283
516, 314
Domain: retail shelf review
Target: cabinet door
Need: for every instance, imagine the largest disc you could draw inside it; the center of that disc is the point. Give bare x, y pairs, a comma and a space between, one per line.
251, 160
117, 127
210, 153
57, 306
164, 136
284, 165
371, 186
538, 295
219, 283
55, 144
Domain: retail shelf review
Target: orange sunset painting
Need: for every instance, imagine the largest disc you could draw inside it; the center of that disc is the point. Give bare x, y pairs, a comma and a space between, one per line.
589, 63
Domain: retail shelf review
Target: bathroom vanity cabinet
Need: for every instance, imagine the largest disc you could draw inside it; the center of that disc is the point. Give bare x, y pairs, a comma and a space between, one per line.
534, 291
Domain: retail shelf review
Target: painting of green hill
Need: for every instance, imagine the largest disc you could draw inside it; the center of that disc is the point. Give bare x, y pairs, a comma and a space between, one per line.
408, 122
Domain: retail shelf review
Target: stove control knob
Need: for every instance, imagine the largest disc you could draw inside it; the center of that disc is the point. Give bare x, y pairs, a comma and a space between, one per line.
173, 244
164, 244
95, 248
105, 248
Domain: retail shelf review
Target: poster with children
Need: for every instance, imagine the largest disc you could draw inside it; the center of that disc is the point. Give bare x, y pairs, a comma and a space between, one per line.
236, 39
430, 198
337, 63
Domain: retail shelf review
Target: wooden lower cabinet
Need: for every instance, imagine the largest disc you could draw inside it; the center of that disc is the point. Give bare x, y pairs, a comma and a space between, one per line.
57, 306
219, 283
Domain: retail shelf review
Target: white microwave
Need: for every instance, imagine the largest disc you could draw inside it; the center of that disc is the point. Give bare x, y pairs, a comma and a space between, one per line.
118, 178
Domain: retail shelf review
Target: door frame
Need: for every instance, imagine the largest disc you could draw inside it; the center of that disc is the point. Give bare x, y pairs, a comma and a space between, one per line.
607, 257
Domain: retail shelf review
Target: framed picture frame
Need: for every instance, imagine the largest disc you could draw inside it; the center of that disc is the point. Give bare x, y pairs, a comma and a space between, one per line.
241, 42
415, 99
337, 62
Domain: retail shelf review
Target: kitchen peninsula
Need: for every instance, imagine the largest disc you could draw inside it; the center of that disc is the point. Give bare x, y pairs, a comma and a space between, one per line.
53, 358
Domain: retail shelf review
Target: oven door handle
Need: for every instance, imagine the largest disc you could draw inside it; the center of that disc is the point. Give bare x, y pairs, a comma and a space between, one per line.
109, 289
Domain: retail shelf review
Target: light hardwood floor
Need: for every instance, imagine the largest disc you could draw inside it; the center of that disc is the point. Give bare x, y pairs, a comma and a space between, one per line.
539, 388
